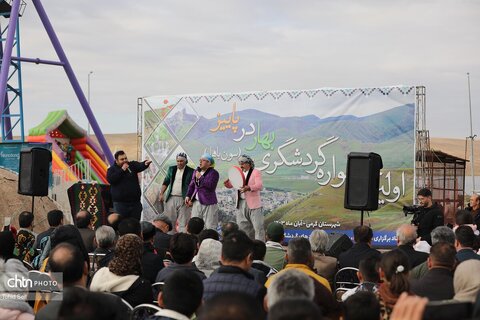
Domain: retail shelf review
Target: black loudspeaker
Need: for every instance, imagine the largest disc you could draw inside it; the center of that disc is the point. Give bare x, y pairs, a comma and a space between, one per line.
338, 243
34, 171
363, 178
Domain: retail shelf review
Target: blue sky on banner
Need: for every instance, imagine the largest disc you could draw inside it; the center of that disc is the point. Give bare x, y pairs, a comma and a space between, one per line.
149, 47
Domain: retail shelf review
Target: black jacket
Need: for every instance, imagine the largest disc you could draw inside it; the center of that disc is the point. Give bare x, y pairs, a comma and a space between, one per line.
414, 257
428, 220
124, 185
151, 263
437, 284
359, 251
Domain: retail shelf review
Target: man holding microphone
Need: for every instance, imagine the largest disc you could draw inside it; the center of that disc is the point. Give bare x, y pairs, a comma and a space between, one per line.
124, 186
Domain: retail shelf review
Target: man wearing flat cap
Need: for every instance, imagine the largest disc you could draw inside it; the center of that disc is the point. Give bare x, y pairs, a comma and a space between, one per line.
250, 216
201, 194
174, 190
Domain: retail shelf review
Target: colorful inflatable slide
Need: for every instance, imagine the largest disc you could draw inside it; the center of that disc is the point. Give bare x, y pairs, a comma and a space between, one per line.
70, 146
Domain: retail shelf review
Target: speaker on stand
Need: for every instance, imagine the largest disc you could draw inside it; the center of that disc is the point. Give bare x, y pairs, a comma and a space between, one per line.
362, 182
34, 172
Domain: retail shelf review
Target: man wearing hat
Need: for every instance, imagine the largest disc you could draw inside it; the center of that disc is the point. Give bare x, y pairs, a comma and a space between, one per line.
173, 192
161, 240
250, 216
276, 254
201, 194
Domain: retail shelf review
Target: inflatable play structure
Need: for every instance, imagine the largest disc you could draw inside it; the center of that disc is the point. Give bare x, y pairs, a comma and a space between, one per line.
70, 148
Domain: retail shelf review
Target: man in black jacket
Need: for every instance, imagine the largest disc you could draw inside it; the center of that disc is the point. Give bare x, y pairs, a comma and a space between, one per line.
362, 249
431, 215
437, 284
124, 187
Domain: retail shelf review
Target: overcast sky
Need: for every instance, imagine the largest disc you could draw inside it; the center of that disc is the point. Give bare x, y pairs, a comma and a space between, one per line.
156, 47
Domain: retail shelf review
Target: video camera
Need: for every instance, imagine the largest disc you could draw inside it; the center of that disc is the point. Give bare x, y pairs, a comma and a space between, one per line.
416, 210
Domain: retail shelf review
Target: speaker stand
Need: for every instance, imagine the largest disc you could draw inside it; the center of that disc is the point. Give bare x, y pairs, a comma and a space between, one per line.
33, 203
361, 218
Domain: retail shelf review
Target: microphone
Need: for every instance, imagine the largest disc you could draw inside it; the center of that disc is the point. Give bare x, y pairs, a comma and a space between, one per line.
129, 171
198, 169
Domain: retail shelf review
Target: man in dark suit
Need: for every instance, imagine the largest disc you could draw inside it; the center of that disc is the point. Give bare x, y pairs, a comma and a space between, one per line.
406, 238
362, 235
173, 192
437, 284
464, 240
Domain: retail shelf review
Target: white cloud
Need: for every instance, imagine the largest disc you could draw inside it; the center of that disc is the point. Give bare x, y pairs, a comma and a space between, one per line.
151, 47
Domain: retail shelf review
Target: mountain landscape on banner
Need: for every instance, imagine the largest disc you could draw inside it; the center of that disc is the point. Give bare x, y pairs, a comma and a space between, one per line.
375, 128
389, 133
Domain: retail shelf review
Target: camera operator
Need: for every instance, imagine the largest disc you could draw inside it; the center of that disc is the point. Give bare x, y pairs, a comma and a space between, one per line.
430, 217
474, 207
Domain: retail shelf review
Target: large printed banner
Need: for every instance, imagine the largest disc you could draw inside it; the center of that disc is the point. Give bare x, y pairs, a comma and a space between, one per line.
299, 140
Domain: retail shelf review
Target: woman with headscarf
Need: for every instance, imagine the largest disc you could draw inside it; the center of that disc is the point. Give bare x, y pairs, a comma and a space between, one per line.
208, 256
9, 266
122, 277
466, 281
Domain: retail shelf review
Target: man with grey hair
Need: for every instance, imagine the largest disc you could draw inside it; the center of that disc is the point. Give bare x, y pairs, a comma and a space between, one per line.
406, 238
290, 284
324, 265
105, 237
250, 217
300, 257
439, 234
174, 190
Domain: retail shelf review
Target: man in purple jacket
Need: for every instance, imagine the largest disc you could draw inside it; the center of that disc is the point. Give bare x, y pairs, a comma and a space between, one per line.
201, 192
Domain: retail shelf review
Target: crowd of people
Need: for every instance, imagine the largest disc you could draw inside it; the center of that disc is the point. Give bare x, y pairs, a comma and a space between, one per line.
183, 268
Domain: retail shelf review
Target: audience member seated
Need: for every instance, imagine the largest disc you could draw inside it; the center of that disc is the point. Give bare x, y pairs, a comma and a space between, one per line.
231, 306
25, 237
363, 305
81, 304
208, 234
228, 227
161, 240
465, 218
195, 225
439, 234
362, 235
464, 242
298, 309
208, 256
84, 223
466, 281
65, 233
152, 262
123, 274
67, 260
182, 249
437, 284
105, 237
324, 265
288, 285
406, 238
367, 275
275, 255
9, 264
55, 219
180, 297
114, 220
258, 254
233, 274
394, 274
300, 257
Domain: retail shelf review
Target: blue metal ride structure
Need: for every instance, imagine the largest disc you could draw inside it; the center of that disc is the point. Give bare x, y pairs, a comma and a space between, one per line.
13, 10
